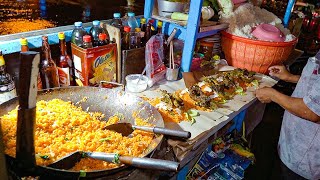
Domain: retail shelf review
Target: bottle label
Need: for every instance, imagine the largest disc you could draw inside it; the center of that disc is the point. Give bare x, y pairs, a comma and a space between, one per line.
39, 82
64, 76
7, 92
77, 66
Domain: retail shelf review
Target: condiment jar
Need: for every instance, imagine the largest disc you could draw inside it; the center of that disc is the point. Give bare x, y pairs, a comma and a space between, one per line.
206, 48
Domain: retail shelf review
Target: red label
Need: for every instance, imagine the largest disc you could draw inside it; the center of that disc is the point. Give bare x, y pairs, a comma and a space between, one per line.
64, 76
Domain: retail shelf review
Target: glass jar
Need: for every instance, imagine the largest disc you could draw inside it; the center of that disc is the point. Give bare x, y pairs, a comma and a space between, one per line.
206, 48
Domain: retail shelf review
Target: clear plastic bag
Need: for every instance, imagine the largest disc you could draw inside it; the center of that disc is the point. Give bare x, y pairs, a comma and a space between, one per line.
155, 68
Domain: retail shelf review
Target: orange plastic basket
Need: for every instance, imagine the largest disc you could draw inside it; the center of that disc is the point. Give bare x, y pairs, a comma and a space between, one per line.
254, 55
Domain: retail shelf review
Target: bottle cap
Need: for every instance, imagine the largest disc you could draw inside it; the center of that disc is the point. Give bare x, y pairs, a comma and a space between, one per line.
78, 24
87, 38
131, 14
96, 23
151, 21
137, 29
127, 29
143, 20
160, 23
23, 41
61, 35
2, 62
102, 36
116, 15
44, 38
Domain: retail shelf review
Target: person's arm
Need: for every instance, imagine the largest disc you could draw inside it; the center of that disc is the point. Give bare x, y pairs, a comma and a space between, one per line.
282, 73
296, 106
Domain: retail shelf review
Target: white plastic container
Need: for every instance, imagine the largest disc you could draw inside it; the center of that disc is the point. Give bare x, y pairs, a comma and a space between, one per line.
133, 84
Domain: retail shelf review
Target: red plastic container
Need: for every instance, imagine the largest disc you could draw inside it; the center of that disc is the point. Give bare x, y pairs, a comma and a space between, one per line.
254, 55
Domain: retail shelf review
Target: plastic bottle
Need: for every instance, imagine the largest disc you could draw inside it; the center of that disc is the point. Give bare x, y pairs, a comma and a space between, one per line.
87, 42
126, 38
77, 34
95, 31
103, 39
117, 22
132, 21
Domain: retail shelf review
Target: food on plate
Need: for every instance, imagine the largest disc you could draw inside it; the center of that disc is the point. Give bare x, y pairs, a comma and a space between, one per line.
206, 95
63, 128
170, 106
217, 89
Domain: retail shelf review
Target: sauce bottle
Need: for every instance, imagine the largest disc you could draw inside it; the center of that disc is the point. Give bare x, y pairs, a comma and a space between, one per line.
126, 38
159, 28
138, 38
25, 48
7, 87
48, 69
65, 65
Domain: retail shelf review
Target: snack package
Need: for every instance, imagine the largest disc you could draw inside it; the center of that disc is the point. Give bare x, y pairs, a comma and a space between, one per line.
222, 160
155, 68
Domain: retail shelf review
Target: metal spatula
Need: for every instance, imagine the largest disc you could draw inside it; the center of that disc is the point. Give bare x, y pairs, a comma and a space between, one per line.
70, 160
127, 128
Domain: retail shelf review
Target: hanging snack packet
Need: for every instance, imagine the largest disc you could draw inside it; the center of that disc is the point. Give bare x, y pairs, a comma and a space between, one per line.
155, 68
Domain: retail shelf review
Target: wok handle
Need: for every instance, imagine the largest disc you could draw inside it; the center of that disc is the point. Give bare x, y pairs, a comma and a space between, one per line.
165, 131
146, 163
150, 163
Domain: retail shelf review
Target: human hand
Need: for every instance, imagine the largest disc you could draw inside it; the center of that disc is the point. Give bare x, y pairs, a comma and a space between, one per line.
265, 94
280, 71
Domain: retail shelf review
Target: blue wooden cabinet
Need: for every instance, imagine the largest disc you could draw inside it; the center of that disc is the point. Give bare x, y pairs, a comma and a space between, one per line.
189, 33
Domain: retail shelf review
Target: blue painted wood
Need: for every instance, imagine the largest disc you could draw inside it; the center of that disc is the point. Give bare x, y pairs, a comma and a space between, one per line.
35, 41
168, 27
192, 31
148, 7
287, 15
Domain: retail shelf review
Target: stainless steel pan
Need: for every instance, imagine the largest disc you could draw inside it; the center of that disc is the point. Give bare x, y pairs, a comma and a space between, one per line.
94, 99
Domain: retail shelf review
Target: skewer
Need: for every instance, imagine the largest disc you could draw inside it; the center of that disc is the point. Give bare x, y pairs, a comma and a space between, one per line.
170, 57
171, 54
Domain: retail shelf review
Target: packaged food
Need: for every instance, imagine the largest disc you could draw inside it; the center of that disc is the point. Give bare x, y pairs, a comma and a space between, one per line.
155, 68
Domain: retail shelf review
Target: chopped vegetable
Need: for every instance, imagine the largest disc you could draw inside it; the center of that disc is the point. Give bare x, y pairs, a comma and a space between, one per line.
255, 83
105, 139
45, 157
191, 114
116, 158
83, 173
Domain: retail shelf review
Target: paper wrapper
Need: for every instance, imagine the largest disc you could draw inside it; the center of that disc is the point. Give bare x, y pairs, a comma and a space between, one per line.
208, 123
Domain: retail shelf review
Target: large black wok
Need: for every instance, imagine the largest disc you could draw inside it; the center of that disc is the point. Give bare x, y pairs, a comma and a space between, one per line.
107, 101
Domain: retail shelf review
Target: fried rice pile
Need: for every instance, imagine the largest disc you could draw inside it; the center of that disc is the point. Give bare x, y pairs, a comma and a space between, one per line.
63, 128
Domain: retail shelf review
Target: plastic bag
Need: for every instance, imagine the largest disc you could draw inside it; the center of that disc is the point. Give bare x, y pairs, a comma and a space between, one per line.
155, 68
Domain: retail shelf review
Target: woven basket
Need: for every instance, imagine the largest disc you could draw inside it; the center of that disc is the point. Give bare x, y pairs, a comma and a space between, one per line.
254, 55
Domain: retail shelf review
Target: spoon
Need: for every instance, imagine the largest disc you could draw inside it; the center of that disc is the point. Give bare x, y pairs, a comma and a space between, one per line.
70, 160
127, 128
